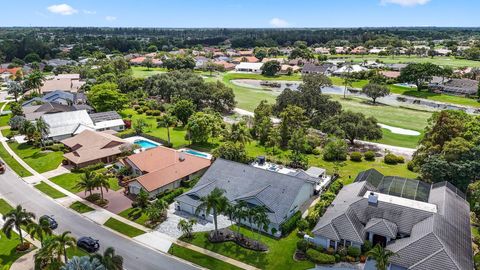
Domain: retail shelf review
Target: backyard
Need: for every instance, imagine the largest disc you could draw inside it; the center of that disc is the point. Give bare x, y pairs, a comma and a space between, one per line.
279, 255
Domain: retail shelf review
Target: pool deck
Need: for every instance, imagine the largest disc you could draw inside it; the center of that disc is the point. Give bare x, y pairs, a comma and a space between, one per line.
206, 155
133, 139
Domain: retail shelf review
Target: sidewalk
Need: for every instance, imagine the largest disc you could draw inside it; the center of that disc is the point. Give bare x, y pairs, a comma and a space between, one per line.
100, 215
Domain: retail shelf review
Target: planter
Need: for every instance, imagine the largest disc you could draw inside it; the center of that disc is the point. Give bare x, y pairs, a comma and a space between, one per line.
363, 259
23, 247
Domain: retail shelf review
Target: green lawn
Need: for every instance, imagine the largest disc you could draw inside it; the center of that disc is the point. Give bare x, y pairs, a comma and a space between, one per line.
4, 207
434, 96
49, 190
41, 161
69, 180
143, 72
12, 163
81, 207
8, 254
123, 228
200, 259
74, 251
6, 132
134, 215
4, 119
279, 256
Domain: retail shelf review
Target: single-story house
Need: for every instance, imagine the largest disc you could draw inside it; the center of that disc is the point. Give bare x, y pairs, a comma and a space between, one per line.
249, 67
58, 96
139, 61
322, 50
458, 87
160, 169
310, 68
359, 50
248, 59
426, 225
349, 69
390, 74
34, 112
396, 67
65, 82
110, 120
282, 194
226, 65
67, 124
91, 147
285, 69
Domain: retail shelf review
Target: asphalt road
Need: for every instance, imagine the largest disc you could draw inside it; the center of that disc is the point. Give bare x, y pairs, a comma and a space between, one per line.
135, 255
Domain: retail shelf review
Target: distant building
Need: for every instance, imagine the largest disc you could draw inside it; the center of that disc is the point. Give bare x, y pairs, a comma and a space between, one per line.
310, 68
62, 82
249, 67
458, 87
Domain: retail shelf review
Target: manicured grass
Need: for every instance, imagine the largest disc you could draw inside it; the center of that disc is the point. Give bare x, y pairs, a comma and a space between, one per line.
143, 72
200, 259
438, 60
76, 252
434, 96
233, 76
4, 207
12, 163
399, 139
6, 132
134, 215
279, 256
81, 207
123, 228
39, 160
4, 119
49, 190
8, 253
69, 180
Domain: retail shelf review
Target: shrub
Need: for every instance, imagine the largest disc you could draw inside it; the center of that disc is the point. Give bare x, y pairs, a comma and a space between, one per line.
303, 245
369, 155
56, 147
330, 251
335, 186
291, 223
400, 159
342, 251
350, 259
390, 159
139, 110
302, 225
316, 151
170, 195
367, 245
320, 258
317, 248
354, 251
337, 258
411, 166
335, 150
356, 156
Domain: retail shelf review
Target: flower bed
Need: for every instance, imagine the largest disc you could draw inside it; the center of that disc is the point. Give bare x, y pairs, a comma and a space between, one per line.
225, 235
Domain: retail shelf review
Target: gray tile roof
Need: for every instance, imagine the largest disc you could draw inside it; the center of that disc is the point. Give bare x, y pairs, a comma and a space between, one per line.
274, 190
427, 240
104, 116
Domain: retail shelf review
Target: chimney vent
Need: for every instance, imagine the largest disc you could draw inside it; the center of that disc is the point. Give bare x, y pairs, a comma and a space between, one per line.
373, 199
181, 156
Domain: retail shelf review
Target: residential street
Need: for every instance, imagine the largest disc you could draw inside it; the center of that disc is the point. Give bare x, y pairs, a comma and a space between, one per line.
136, 256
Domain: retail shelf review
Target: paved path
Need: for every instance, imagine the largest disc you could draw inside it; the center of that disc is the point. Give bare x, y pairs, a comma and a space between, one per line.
58, 171
99, 216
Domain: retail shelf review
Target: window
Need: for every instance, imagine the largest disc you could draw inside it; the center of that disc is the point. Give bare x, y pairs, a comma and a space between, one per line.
348, 243
332, 244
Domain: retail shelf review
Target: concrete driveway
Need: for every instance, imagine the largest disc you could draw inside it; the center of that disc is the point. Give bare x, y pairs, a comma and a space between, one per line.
117, 201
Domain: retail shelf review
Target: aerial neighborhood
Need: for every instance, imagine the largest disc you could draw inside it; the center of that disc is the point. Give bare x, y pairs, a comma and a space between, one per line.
239, 148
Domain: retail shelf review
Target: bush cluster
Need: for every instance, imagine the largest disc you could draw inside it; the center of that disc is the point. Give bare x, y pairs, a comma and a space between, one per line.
354, 251
369, 155
320, 258
291, 223
393, 159
356, 156
170, 195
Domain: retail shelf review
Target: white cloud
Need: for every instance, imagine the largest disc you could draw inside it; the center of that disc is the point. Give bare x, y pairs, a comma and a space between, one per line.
89, 12
405, 3
62, 9
110, 18
277, 22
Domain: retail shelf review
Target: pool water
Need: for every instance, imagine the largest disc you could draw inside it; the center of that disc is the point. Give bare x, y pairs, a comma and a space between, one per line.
145, 144
195, 153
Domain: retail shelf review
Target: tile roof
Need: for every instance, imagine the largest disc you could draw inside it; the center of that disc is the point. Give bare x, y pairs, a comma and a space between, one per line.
162, 166
276, 191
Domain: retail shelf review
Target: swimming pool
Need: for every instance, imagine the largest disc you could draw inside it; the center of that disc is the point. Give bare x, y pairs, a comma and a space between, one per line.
195, 153
145, 144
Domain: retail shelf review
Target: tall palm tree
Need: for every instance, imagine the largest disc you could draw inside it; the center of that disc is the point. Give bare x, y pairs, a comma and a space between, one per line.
167, 121
261, 220
87, 182
230, 212
35, 80
28, 129
16, 218
156, 210
381, 256
141, 201
239, 133
47, 257
60, 242
109, 259
43, 128
40, 230
101, 182
15, 89
186, 226
240, 214
214, 202
251, 212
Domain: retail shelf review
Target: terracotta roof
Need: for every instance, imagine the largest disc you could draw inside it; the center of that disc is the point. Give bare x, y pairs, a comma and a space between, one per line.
390, 74
92, 145
163, 166
12, 71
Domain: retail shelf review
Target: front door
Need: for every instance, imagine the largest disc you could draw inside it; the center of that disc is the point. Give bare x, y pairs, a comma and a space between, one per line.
378, 239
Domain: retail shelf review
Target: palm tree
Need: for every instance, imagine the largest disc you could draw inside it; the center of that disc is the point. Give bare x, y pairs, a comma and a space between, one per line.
381, 256
43, 128
240, 214
239, 133
251, 212
101, 182
141, 201
60, 242
47, 257
347, 80
86, 182
214, 202
40, 230
16, 218
84, 263
35, 80
186, 226
230, 212
261, 220
109, 259
156, 210
28, 129
15, 89
167, 121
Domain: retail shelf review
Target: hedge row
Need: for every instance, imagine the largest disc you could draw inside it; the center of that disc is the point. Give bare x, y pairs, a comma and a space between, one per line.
290, 225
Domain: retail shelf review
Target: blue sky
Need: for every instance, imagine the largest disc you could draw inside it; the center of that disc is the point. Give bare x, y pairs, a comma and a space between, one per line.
244, 13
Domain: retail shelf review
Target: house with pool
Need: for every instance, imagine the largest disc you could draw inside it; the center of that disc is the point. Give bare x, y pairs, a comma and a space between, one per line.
160, 169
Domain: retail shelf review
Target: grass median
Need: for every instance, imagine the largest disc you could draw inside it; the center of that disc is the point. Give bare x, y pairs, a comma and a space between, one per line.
12, 163
49, 190
200, 259
123, 228
80, 207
